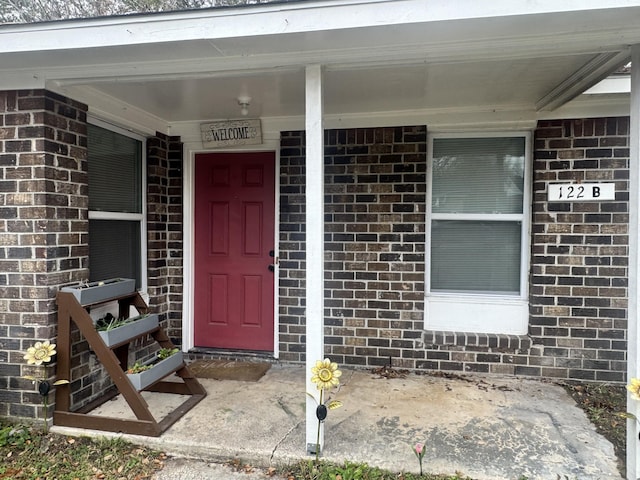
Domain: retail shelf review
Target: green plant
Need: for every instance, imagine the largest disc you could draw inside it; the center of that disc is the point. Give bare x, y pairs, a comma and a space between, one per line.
109, 322
167, 352
139, 367
419, 450
15, 436
311, 470
29, 455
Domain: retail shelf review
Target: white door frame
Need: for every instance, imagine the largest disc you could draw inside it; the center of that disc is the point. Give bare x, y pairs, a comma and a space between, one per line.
188, 295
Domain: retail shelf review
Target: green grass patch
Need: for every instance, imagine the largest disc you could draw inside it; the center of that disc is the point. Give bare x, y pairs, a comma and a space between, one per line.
309, 470
27, 454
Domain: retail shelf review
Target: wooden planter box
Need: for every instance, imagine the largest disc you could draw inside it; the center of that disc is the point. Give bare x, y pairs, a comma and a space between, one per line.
142, 380
96, 292
129, 331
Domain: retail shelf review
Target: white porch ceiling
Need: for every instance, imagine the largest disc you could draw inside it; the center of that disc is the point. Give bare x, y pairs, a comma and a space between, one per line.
379, 56
500, 84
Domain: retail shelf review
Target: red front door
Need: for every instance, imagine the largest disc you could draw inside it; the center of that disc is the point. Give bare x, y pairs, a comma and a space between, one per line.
234, 241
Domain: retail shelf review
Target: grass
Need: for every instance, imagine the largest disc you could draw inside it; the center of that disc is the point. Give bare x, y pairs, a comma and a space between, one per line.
308, 470
27, 454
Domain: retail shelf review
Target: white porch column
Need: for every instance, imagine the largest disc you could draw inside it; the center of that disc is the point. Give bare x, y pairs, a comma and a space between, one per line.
314, 178
633, 353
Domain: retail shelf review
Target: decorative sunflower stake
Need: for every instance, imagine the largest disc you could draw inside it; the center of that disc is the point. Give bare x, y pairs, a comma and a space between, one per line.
634, 390
325, 375
40, 354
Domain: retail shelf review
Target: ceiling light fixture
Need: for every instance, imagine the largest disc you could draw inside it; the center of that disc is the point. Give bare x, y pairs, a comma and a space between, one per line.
244, 101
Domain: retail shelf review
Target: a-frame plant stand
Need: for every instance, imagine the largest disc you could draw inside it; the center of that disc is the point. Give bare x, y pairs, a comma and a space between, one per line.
114, 359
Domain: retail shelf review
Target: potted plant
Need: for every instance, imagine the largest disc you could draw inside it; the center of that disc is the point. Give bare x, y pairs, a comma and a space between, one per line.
166, 362
88, 293
115, 331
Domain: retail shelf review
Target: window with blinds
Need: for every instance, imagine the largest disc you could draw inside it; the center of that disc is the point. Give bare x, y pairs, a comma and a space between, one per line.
478, 205
116, 208
477, 209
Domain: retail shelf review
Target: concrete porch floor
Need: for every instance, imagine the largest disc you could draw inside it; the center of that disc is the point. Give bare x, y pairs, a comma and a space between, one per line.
486, 427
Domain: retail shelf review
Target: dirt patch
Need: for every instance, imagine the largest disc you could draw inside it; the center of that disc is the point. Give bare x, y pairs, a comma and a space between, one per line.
604, 405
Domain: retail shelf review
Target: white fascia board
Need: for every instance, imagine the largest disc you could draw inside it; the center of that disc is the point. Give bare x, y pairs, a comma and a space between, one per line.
611, 85
115, 111
586, 77
276, 19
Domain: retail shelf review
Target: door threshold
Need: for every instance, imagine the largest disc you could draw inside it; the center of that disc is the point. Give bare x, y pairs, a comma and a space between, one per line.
206, 353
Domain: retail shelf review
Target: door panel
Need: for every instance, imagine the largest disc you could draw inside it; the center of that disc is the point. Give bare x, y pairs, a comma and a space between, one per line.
234, 233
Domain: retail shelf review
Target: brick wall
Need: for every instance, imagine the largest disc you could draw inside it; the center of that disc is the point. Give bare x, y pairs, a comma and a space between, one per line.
374, 254
43, 228
374, 244
374, 249
164, 230
580, 251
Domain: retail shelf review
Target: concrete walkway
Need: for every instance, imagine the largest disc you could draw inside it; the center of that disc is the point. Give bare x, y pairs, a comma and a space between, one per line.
486, 427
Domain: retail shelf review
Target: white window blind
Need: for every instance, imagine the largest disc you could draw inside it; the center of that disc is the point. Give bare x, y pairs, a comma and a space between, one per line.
116, 210
115, 170
475, 256
477, 191
478, 175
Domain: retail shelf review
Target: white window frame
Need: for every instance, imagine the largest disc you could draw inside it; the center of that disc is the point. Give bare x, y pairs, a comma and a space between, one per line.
497, 313
140, 217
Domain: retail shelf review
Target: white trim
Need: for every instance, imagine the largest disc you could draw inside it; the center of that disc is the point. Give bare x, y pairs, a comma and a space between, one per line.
112, 111
140, 217
586, 77
489, 217
482, 314
188, 319
633, 332
188, 225
298, 17
476, 311
95, 215
612, 84
314, 251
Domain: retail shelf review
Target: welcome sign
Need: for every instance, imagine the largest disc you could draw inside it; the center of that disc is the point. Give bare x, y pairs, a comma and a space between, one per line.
231, 133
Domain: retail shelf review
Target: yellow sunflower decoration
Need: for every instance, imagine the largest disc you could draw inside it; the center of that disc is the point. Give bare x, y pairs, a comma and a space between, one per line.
634, 388
325, 374
40, 353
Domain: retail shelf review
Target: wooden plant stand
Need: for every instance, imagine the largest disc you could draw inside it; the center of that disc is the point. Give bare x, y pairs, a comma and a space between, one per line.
114, 359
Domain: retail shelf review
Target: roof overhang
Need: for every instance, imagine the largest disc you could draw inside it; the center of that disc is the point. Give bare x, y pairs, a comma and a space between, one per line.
386, 58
